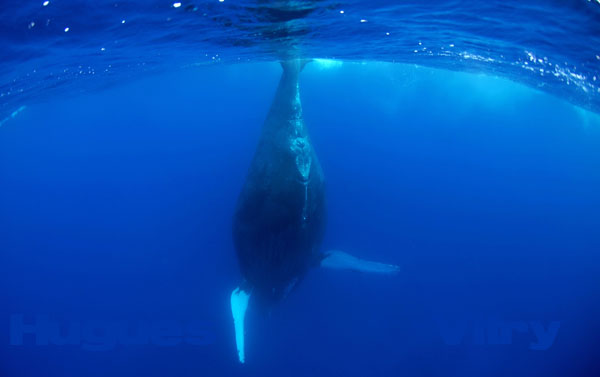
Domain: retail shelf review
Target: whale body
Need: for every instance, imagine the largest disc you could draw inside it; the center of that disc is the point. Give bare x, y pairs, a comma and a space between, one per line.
279, 220
280, 217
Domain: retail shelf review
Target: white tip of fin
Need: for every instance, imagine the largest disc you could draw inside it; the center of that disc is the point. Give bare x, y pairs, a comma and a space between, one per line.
239, 304
339, 260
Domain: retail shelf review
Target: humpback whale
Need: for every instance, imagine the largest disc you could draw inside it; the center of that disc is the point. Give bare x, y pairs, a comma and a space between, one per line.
280, 216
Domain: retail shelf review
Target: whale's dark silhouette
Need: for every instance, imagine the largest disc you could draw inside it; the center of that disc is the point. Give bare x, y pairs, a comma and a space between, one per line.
280, 217
279, 221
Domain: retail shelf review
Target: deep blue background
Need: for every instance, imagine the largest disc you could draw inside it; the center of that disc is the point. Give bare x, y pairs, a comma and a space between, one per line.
118, 205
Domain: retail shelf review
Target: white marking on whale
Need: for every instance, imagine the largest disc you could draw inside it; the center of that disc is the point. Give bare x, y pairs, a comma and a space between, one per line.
239, 305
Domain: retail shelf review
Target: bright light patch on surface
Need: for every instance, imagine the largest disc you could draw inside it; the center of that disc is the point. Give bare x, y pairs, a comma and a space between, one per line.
363, 20
589, 120
13, 115
341, 12
67, 29
45, 3
327, 63
176, 5
122, 21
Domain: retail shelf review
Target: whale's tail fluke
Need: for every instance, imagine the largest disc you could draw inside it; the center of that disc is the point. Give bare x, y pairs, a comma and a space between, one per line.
339, 260
239, 304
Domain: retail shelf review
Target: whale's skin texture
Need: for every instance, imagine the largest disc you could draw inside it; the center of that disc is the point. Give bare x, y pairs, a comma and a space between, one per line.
279, 220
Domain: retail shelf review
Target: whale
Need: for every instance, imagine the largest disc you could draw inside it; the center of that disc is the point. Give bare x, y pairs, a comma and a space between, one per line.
280, 217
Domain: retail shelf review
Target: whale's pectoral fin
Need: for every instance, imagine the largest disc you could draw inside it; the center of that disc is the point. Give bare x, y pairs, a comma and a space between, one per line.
339, 260
239, 304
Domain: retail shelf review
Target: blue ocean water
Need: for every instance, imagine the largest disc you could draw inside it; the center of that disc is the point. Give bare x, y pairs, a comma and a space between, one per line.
459, 140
